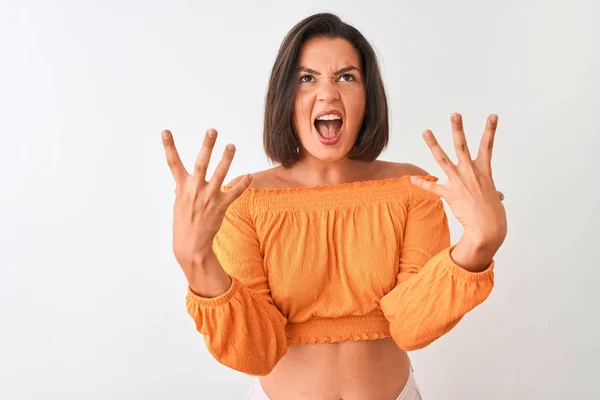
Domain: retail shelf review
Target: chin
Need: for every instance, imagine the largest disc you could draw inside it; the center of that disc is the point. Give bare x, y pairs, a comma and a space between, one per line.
330, 158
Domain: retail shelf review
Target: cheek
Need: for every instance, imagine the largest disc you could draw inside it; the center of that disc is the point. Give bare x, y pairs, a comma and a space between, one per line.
302, 111
358, 98
355, 104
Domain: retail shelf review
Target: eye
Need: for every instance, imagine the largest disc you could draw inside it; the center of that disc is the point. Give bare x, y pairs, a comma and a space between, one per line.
347, 78
306, 78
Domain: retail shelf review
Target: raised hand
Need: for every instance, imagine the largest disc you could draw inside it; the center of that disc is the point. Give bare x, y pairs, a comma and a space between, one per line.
199, 205
470, 191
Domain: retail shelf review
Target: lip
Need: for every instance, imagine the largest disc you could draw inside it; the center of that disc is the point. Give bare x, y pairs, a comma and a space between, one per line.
334, 112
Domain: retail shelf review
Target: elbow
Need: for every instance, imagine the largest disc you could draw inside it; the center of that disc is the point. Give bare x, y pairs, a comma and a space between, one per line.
421, 336
406, 343
248, 360
253, 366
267, 364
261, 361
261, 370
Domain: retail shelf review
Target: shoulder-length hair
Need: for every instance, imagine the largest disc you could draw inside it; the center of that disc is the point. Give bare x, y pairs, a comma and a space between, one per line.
280, 140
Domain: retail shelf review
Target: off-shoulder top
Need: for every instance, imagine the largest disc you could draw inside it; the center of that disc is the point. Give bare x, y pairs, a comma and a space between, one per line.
353, 261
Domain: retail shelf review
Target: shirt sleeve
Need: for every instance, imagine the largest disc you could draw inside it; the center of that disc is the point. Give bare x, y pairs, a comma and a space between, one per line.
432, 293
242, 327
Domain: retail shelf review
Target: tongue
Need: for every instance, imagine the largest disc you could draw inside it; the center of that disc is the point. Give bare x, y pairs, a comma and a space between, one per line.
328, 129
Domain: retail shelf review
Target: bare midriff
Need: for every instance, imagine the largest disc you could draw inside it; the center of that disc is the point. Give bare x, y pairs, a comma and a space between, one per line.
349, 370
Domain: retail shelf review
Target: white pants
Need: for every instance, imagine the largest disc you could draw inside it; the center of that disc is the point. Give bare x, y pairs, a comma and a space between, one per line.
410, 392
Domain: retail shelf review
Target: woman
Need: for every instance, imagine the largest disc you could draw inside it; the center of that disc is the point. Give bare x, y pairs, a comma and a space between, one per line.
318, 275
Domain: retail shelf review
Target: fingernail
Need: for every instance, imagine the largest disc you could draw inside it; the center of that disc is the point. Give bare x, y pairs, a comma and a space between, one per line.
494, 118
456, 118
165, 134
212, 134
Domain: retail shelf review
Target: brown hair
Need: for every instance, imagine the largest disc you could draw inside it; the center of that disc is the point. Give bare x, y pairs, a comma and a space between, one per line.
280, 140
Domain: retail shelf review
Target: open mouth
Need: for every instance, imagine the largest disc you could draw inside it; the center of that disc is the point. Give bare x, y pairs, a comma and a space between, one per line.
329, 126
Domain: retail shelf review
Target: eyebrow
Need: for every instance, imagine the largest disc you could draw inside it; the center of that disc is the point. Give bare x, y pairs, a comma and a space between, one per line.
341, 71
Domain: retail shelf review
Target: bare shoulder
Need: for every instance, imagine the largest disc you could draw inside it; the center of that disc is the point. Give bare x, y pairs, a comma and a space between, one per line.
391, 169
260, 179
235, 181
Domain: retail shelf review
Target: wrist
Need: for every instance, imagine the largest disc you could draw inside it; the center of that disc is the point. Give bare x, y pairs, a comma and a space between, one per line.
203, 258
473, 254
207, 278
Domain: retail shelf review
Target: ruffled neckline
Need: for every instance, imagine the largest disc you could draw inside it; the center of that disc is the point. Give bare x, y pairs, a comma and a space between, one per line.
369, 193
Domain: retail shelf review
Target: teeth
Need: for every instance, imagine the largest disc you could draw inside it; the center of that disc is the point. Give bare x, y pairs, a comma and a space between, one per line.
328, 117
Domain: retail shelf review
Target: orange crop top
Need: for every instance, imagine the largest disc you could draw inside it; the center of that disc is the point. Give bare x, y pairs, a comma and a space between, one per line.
353, 261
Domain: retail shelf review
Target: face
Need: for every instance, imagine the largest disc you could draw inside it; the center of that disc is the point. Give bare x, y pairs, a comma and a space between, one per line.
330, 98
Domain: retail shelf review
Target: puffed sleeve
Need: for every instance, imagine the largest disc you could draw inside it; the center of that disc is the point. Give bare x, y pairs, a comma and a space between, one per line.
432, 293
242, 328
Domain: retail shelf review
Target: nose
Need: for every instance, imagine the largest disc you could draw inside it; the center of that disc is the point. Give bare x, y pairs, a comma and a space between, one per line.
328, 92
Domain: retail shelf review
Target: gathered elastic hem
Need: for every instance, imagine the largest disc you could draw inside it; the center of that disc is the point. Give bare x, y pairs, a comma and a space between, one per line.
456, 270
333, 330
326, 196
214, 301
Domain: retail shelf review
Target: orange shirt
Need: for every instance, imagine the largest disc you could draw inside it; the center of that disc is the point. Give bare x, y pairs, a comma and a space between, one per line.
353, 261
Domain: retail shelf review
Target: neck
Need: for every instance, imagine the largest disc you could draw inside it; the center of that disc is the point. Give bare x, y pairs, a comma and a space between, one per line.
310, 173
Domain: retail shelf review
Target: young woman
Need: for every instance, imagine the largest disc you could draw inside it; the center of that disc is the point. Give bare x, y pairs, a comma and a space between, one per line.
317, 276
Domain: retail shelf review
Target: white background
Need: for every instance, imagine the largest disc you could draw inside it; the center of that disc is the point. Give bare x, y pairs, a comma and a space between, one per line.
92, 299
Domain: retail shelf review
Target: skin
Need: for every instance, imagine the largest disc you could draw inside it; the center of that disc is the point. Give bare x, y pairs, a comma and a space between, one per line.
329, 78
350, 370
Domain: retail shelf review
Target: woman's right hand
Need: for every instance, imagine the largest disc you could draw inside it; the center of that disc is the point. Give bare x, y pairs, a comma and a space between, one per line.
199, 205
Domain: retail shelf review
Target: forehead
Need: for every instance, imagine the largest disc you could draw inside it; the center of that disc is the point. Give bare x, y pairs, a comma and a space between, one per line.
325, 53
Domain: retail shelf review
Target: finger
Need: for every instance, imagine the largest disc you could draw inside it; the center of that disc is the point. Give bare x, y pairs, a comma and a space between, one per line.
460, 141
439, 154
236, 191
487, 141
173, 160
203, 159
429, 186
223, 168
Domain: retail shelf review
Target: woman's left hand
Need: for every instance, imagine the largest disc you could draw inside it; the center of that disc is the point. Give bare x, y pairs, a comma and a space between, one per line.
470, 191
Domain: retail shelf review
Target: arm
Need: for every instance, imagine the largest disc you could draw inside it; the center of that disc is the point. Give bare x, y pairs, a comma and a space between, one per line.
242, 328
432, 291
